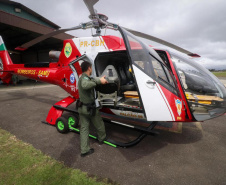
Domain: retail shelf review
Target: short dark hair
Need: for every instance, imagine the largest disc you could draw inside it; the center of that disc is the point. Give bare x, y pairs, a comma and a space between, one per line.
85, 65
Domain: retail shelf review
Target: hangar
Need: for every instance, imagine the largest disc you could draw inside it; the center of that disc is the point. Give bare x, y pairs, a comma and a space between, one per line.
19, 24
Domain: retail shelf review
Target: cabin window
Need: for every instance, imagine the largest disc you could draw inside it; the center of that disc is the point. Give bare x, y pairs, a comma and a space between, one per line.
159, 71
151, 64
163, 74
140, 57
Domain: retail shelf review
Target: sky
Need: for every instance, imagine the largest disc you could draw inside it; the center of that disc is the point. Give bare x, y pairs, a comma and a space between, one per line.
195, 25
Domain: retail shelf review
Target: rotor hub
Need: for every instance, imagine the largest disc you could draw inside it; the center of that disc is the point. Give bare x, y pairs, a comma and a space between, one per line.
100, 16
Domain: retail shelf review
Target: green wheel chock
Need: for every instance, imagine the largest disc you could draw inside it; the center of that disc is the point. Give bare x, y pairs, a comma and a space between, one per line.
94, 137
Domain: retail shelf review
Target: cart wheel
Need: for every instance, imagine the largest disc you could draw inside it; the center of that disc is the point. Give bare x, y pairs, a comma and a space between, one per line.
62, 125
72, 120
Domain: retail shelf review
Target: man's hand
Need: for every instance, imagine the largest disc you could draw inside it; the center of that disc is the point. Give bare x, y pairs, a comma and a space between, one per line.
103, 80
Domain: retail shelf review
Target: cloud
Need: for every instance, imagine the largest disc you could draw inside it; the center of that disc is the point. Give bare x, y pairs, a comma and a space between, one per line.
196, 25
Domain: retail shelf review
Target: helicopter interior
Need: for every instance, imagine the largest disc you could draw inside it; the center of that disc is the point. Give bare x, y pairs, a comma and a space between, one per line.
121, 90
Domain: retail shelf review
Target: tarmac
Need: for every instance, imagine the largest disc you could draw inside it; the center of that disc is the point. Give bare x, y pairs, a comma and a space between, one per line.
223, 80
186, 153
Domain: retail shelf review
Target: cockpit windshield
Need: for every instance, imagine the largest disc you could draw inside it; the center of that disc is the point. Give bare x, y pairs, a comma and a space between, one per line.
206, 95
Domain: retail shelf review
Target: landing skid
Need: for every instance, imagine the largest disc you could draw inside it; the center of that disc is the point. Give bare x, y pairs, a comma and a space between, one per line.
144, 131
115, 144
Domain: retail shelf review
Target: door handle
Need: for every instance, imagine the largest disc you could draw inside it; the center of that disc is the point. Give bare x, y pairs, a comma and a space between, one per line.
150, 82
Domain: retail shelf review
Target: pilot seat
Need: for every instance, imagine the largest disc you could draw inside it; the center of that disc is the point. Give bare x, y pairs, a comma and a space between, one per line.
108, 93
126, 78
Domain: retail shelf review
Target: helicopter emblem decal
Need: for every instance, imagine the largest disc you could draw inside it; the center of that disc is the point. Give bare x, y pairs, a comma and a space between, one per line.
179, 106
68, 50
72, 78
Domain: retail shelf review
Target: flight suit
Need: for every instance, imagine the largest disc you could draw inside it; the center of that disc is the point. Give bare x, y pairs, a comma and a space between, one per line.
86, 87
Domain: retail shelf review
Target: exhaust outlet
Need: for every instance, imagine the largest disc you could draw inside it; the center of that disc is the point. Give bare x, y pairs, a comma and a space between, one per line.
54, 54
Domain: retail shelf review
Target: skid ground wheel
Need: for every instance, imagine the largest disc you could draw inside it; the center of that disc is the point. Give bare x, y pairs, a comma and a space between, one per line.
72, 120
62, 125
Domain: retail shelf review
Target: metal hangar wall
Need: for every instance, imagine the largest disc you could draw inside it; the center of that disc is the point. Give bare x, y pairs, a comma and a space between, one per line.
19, 24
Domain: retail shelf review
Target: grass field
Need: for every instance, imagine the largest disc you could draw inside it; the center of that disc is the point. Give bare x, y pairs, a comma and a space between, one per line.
220, 74
21, 163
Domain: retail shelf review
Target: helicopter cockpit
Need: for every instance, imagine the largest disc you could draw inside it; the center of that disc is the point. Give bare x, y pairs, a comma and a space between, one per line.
206, 95
139, 70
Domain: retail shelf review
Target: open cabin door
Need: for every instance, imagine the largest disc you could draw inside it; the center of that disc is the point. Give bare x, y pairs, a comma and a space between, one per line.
75, 67
156, 85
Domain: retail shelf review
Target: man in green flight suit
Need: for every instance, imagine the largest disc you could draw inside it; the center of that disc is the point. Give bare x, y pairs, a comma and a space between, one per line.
87, 109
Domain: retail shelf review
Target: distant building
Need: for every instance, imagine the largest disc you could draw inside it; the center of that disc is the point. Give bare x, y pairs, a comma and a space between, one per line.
19, 24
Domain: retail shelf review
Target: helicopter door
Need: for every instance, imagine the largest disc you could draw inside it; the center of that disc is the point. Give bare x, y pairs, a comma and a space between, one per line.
156, 105
156, 87
75, 65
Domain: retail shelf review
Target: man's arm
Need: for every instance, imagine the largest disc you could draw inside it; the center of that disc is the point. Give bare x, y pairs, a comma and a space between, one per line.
101, 80
89, 84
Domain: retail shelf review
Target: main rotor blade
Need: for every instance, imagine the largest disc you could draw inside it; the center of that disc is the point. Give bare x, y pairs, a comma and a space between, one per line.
152, 38
43, 37
90, 4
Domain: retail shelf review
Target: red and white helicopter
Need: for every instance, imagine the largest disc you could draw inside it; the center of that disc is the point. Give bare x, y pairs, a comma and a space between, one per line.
146, 85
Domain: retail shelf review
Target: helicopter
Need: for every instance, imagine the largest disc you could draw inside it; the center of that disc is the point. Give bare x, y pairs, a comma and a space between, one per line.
146, 85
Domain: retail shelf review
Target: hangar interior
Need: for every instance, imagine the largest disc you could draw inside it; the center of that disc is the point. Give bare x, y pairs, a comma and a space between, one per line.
19, 24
